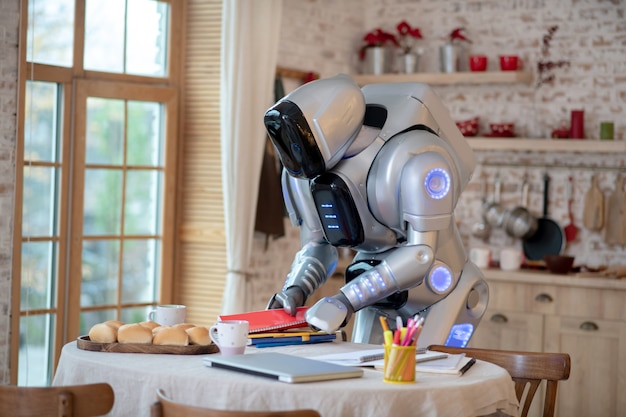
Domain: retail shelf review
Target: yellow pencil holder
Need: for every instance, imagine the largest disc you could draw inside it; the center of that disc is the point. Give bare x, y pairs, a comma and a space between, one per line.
399, 365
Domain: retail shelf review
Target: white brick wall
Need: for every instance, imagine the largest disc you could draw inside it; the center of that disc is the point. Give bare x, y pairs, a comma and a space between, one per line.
9, 18
591, 35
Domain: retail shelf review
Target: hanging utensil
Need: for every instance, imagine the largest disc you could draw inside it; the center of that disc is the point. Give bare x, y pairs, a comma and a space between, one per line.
571, 231
494, 212
520, 222
593, 213
616, 217
481, 229
549, 238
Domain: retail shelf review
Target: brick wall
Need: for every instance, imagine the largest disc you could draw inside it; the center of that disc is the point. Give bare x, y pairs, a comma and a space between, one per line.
324, 36
9, 18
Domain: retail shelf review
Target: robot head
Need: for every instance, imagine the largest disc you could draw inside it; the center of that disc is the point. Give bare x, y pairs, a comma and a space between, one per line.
312, 127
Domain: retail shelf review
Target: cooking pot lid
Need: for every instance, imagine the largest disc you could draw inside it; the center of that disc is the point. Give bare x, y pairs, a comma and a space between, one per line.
547, 240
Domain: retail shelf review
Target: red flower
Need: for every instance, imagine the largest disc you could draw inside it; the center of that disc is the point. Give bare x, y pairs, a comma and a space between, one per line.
408, 35
457, 35
377, 37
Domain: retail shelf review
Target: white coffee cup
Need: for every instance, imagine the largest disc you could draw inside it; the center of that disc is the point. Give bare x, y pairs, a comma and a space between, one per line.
511, 259
231, 336
168, 314
480, 256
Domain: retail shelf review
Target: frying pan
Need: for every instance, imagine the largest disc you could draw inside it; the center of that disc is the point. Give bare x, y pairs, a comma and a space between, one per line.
549, 238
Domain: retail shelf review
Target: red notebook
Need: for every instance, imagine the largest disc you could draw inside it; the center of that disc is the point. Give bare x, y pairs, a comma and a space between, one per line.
270, 320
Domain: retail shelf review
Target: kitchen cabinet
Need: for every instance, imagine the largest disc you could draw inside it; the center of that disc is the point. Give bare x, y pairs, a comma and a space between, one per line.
584, 317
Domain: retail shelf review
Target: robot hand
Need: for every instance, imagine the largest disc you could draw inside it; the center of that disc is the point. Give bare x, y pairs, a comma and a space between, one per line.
330, 313
289, 299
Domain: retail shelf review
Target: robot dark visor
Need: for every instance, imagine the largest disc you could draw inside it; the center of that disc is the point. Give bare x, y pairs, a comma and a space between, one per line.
292, 137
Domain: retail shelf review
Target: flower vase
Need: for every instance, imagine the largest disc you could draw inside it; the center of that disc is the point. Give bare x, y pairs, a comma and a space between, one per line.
376, 60
449, 57
409, 62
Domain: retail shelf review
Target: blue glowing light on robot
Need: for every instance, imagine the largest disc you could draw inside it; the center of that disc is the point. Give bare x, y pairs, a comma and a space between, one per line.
440, 279
437, 183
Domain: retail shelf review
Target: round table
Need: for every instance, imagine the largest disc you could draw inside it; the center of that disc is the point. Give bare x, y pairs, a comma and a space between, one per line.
484, 390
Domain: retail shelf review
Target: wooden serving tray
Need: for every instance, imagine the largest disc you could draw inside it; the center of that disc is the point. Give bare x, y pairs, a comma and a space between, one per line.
83, 342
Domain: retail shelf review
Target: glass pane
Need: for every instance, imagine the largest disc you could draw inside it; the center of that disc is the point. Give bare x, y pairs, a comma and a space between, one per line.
145, 135
100, 272
50, 38
39, 201
140, 270
103, 202
146, 44
89, 318
105, 131
41, 135
135, 314
39, 261
141, 215
104, 35
35, 355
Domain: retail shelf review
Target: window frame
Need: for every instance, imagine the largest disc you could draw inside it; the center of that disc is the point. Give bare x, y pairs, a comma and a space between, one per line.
74, 82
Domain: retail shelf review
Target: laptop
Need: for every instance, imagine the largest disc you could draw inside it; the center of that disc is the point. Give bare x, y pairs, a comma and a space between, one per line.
282, 367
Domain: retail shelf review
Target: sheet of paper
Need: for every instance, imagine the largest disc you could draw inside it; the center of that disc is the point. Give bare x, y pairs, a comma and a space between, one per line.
374, 357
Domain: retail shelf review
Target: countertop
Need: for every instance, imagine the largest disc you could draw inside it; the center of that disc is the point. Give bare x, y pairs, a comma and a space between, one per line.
583, 280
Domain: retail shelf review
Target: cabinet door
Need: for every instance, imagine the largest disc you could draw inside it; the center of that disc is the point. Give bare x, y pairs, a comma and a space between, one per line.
597, 379
509, 330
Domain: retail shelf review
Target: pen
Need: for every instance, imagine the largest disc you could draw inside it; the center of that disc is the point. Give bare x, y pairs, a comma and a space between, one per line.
466, 367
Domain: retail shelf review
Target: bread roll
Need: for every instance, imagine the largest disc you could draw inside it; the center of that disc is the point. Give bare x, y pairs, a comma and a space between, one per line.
134, 333
102, 333
150, 324
114, 323
174, 336
184, 326
199, 335
158, 329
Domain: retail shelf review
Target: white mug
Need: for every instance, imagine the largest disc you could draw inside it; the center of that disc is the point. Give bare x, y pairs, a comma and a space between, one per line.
511, 259
231, 336
480, 256
168, 314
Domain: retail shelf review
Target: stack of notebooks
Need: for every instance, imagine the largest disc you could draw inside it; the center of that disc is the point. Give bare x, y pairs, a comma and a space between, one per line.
271, 328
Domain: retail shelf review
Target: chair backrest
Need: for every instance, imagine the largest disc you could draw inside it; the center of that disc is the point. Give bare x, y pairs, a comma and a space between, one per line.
527, 369
64, 401
165, 407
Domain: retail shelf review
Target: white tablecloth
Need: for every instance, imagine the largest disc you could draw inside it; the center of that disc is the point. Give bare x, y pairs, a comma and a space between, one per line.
135, 377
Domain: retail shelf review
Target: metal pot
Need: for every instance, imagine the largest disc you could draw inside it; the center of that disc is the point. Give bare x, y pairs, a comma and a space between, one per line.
520, 222
494, 212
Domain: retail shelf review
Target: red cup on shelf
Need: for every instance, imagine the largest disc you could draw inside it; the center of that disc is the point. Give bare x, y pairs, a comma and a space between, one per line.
509, 62
478, 62
577, 126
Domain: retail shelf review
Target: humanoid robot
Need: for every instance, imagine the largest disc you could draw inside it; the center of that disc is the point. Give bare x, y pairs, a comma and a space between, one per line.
379, 170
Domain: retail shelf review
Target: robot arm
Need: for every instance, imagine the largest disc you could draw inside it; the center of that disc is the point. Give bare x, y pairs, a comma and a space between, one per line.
315, 261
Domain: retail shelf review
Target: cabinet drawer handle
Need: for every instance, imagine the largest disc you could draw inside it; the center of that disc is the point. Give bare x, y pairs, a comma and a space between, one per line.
589, 325
544, 298
499, 318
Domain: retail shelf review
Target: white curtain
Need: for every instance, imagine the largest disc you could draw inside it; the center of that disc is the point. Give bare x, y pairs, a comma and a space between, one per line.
250, 33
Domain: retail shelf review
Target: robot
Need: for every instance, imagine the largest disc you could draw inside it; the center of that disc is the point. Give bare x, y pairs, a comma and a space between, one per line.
378, 170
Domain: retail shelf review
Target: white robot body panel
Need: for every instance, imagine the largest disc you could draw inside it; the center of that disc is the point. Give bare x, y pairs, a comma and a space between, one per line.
402, 166
414, 104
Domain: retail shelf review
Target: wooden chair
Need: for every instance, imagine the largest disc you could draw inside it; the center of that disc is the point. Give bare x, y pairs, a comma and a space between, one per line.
165, 407
64, 401
527, 370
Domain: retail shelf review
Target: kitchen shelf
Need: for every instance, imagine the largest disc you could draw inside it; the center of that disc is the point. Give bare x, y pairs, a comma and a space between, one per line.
437, 78
547, 145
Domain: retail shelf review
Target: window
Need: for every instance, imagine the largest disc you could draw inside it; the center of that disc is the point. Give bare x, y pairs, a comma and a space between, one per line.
98, 160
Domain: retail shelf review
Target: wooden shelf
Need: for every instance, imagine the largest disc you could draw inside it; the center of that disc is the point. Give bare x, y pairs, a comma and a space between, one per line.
547, 145
436, 78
